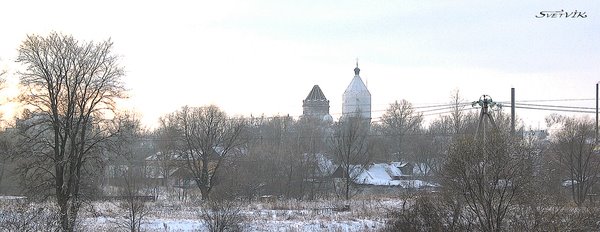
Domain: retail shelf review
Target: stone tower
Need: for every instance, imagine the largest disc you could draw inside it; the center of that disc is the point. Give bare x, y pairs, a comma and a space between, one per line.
356, 98
316, 105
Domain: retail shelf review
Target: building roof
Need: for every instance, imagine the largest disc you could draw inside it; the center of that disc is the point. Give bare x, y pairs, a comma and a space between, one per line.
316, 94
357, 85
383, 173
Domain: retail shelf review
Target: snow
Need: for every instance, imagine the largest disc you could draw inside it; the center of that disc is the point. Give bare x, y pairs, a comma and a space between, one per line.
287, 215
365, 214
325, 165
568, 183
421, 169
173, 225
381, 175
394, 169
8, 198
267, 225
375, 175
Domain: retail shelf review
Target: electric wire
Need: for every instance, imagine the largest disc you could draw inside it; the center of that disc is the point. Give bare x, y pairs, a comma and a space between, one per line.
555, 106
552, 100
550, 109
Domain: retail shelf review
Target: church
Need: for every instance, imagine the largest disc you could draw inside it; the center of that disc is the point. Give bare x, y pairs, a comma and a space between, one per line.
356, 101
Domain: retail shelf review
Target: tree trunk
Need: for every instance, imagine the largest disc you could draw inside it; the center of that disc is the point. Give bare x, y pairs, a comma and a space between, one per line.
204, 184
63, 204
289, 190
67, 219
347, 189
205, 193
64, 216
347, 182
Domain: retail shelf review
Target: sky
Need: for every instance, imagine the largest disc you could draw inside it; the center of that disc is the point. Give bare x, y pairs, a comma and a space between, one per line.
263, 57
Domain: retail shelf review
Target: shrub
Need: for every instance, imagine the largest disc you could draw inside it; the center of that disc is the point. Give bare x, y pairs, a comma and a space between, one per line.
219, 216
422, 215
28, 217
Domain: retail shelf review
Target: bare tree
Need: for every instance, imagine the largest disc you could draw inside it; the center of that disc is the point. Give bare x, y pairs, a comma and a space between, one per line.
6, 146
350, 148
208, 136
574, 148
167, 147
2, 86
2, 79
9, 145
457, 116
432, 146
400, 119
126, 150
312, 160
284, 144
298, 148
133, 202
69, 86
271, 164
490, 176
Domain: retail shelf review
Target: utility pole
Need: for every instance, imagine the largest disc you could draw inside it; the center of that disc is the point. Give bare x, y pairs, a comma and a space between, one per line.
486, 103
596, 112
512, 111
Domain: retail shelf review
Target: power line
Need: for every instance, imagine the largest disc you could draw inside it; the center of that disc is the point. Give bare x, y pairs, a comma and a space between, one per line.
378, 119
557, 106
448, 112
292, 136
553, 100
445, 108
560, 110
431, 109
441, 106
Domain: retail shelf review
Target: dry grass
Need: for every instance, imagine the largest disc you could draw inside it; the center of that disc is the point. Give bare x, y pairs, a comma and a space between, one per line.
282, 215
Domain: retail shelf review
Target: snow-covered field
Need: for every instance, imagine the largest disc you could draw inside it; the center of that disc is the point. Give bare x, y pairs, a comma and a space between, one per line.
290, 215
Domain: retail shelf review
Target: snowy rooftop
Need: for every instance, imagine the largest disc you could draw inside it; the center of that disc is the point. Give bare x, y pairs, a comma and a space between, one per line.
357, 86
382, 175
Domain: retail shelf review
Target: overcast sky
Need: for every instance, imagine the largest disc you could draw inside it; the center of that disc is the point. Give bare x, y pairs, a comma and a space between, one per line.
263, 57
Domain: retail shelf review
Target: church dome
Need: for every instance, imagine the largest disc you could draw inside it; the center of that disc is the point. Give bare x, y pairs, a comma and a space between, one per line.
356, 86
357, 98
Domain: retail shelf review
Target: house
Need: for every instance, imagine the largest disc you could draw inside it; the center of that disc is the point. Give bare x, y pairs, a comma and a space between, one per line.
168, 169
172, 168
385, 174
406, 168
321, 167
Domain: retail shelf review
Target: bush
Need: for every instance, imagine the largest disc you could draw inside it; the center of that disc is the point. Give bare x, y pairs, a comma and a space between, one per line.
28, 217
422, 215
554, 218
136, 210
219, 216
446, 213
430, 212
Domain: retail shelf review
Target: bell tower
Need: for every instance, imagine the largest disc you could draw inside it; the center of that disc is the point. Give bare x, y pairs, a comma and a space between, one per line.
356, 98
